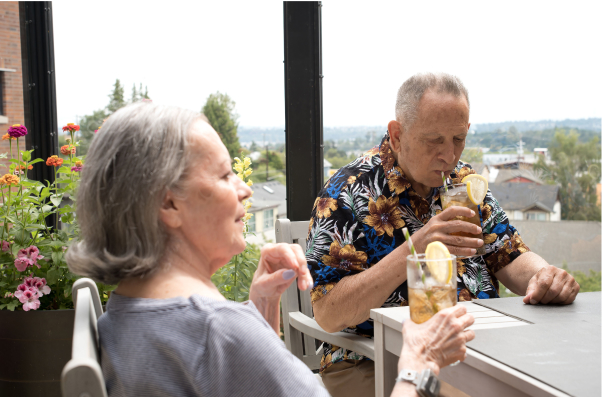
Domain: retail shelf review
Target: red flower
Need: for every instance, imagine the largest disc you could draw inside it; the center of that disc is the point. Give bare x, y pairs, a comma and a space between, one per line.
71, 127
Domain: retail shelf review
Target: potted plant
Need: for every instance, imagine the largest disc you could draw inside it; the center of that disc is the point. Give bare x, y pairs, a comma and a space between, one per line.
36, 311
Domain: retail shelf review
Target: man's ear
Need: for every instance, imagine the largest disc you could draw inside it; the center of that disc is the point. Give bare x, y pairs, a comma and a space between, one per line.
395, 131
170, 213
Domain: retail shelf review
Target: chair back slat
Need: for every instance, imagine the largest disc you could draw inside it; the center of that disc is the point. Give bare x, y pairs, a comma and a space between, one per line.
293, 300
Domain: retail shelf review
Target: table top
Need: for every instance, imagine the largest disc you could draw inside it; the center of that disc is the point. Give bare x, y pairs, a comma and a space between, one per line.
560, 348
558, 345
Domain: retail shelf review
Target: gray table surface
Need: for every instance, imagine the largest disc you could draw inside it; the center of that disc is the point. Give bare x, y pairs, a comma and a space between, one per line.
563, 342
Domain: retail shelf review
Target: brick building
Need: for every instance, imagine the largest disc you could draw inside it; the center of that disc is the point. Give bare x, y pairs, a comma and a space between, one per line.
11, 79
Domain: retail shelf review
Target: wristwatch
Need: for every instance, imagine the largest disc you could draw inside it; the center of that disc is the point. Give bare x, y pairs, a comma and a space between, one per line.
427, 383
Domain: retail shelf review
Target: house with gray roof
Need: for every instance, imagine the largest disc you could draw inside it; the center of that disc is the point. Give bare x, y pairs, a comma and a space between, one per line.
528, 201
268, 203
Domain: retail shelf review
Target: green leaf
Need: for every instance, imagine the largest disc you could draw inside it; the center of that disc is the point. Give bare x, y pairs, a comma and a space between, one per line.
12, 305
52, 276
57, 257
56, 199
64, 170
35, 161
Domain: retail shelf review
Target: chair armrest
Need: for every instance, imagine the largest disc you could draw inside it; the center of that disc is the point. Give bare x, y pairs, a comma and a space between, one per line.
82, 377
309, 326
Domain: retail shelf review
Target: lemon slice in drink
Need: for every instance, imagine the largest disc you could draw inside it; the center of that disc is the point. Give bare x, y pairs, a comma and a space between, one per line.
437, 251
476, 187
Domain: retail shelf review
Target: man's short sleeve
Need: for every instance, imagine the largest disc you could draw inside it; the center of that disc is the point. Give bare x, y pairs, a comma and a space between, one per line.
333, 227
503, 244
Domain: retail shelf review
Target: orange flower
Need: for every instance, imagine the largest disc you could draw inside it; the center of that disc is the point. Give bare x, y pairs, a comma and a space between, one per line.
54, 161
6, 137
78, 164
385, 215
29, 167
9, 179
325, 206
346, 258
71, 127
68, 149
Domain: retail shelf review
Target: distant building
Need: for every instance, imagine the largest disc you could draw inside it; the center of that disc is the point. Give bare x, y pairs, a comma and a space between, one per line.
11, 77
481, 169
268, 203
528, 201
517, 176
327, 166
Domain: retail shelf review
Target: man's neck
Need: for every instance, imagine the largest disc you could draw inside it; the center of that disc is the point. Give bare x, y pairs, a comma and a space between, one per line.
423, 191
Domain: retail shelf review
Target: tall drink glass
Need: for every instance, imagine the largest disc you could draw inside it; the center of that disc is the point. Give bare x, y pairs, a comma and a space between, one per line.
426, 294
456, 195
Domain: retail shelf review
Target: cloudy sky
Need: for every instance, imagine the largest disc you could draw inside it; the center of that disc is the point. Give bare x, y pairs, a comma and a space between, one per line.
520, 60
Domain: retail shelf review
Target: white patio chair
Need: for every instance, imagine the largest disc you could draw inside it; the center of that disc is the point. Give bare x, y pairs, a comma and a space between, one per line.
82, 375
300, 328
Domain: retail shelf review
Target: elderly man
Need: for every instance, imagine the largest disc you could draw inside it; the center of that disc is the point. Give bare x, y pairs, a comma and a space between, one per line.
356, 248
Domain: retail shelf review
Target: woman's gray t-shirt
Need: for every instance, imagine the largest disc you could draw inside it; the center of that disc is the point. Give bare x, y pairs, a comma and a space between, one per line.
196, 347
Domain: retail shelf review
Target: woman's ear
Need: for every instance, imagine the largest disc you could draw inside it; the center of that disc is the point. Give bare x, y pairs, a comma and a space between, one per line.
170, 213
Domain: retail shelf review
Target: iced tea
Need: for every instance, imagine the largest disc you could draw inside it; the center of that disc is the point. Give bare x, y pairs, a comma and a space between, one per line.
426, 294
426, 302
456, 195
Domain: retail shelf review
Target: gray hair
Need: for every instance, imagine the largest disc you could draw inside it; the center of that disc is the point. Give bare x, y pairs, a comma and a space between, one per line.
412, 90
139, 154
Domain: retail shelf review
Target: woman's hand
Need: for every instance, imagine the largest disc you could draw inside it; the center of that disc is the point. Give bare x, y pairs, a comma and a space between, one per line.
278, 266
437, 342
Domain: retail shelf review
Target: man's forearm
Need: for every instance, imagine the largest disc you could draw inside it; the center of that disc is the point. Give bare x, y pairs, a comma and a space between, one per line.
350, 301
517, 274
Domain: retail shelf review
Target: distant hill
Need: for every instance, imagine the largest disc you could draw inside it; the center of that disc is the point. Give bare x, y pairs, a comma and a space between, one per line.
276, 134
591, 124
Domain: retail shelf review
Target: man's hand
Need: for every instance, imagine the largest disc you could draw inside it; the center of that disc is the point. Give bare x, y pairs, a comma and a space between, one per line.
551, 285
440, 227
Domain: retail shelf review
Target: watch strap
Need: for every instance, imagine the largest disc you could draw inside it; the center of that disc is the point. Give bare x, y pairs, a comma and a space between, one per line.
408, 375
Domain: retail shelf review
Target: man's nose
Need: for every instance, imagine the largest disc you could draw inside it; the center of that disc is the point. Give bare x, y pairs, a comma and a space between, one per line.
448, 154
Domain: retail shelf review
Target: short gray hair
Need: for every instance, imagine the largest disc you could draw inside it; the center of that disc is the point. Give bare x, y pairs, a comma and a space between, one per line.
412, 90
139, 154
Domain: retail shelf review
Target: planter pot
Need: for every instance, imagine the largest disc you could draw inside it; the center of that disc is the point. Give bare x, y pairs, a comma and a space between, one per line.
34, 348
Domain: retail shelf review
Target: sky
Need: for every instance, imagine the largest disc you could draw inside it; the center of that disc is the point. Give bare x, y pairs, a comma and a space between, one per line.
520, 60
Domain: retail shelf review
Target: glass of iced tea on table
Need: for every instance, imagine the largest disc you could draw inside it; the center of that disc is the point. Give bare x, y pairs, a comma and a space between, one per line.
456, 195
432, 285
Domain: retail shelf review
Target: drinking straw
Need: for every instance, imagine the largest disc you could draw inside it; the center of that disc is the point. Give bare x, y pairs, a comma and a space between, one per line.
443, 177
412, 250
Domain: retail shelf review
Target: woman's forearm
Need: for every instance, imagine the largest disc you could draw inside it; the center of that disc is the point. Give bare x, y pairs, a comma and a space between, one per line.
270, 310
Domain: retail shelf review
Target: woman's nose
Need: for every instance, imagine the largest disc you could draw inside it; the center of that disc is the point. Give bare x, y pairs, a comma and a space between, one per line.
244, 191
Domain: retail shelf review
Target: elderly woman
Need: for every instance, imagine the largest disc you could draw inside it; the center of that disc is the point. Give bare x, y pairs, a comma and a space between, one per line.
160, 211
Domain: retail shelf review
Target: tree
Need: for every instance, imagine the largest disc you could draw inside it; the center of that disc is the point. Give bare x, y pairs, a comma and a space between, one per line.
472, 156
576, 168
219, 110
91, 122
116, 99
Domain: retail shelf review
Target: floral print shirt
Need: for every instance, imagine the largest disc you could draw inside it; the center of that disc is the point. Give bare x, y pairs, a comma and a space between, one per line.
357, 220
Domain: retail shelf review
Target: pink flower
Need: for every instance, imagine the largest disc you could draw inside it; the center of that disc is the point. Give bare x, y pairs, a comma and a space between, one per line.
29, 299
17, 131
76, 169
5, 246
38, 284
32, 254
9, 295
23, 263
